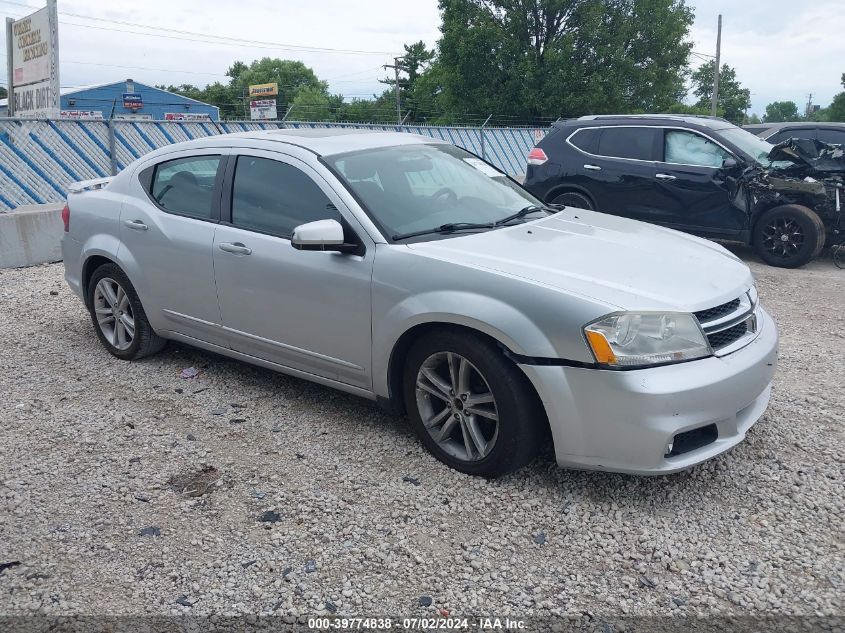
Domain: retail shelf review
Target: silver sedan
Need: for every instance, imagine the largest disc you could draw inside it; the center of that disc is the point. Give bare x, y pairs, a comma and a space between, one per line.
408, 271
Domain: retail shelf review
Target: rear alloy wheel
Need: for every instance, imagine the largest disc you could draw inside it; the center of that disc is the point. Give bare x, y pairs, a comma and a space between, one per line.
114, 313
472, 407
574, 199
118, 316
789, 236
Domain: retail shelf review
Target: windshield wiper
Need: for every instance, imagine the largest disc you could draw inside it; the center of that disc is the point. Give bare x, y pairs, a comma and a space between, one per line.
522, 213
446, 228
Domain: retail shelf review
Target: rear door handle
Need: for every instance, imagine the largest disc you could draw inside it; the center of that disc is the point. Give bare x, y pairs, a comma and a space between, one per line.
666, 177
234, 247
592, 167
135, 225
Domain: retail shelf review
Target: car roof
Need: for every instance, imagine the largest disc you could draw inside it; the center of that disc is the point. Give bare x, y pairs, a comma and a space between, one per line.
320, 141
801, 124
713, 123
330, 141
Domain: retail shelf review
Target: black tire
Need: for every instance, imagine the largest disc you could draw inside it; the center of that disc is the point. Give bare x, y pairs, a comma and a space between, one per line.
789, 236
574, 199
144, 340
521, 419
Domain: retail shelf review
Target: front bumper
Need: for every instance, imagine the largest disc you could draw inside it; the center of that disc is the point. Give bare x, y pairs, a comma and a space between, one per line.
624, 420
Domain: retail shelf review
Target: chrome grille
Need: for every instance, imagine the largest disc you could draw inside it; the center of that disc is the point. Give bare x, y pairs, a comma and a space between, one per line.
731, 325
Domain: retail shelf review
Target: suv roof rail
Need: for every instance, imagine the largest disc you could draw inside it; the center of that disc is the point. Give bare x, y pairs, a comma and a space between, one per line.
672, 117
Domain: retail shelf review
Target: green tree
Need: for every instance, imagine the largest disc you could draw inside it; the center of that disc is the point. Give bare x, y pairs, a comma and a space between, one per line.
753, 120
559, 57
780, 111
836, 110
413, 63
733, 101
3, 92
292, 77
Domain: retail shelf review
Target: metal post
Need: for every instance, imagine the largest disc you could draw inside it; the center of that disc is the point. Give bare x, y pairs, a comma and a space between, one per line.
714, 107
55, 105
396, 90
10, 100
483, 145
290, 107
112, 157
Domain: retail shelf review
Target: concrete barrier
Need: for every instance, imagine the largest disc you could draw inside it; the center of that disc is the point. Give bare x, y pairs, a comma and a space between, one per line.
31, 235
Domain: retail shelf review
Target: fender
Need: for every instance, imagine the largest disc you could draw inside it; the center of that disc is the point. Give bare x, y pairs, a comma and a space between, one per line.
453, 308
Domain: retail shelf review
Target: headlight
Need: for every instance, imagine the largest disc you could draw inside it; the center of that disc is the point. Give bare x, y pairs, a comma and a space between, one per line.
640, 339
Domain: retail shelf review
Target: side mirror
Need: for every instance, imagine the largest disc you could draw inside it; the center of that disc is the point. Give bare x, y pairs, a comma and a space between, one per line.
729, 163
321, 235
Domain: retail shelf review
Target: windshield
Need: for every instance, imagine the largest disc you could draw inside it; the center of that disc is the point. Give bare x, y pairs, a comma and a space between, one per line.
413, 188
754, 146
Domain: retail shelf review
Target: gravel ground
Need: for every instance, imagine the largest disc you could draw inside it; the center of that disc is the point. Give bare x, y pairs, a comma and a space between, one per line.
126, 489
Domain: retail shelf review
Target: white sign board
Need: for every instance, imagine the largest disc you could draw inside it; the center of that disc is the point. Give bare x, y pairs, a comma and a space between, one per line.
186, 116
82, 115
34, 68
262, 109
133, 117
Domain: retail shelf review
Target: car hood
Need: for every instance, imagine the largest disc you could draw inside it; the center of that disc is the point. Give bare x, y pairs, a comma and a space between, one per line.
815, 155
623, 263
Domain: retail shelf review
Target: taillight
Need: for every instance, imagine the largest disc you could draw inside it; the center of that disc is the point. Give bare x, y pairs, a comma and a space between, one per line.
537, 156
66, 218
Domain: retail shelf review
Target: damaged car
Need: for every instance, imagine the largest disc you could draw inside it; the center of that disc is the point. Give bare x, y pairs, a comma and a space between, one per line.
700, 175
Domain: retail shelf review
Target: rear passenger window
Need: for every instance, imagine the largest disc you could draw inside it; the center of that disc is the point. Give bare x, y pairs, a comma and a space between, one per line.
273, 197
831, 136
185, 186
628, 142
789, 133
586, 140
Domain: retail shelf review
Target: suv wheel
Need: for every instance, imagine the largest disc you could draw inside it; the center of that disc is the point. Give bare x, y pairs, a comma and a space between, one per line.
118, 316
471, 407
574, 199
789, 236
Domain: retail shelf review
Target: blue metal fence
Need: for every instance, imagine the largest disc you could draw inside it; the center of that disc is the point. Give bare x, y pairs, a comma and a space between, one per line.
40, 158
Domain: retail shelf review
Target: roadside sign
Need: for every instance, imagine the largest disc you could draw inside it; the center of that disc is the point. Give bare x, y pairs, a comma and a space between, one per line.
186, 116
82, 115
133, 101
264, 90
33, 47
262, 109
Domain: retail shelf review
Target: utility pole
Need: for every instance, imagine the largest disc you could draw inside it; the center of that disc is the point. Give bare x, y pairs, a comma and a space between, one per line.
714, 107
396, 66
809, 105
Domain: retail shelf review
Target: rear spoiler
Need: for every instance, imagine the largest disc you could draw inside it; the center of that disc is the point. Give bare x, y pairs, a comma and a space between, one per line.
89, 185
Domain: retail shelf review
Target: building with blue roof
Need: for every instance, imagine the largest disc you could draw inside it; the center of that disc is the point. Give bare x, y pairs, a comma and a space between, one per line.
129, 100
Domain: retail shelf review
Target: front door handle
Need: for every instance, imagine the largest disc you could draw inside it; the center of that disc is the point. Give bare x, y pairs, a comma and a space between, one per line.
234, 247
666, 177
135, 225
592, 167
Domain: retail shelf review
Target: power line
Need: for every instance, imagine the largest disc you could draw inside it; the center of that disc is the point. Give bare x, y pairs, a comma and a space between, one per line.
208, 38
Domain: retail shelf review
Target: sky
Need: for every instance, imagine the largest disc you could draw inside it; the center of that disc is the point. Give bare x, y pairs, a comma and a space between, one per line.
781, 49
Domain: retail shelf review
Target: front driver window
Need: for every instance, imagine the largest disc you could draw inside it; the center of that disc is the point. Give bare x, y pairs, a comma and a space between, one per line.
273, 197
688, 148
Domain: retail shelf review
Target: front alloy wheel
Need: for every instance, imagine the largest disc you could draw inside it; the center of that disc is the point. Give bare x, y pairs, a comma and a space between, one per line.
783, 237
470, 405
457, 407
